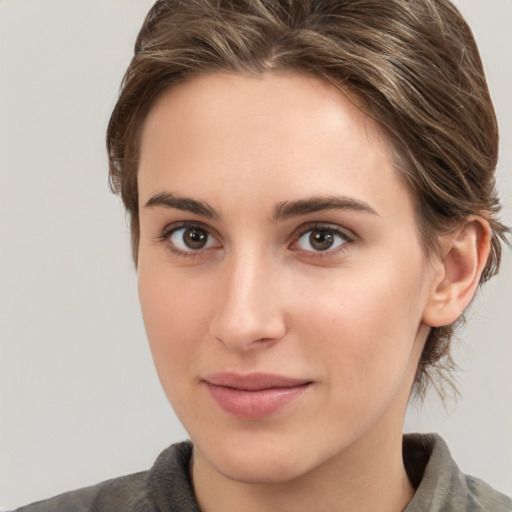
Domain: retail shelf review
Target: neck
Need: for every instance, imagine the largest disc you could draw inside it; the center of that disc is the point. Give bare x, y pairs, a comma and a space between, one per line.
367, 476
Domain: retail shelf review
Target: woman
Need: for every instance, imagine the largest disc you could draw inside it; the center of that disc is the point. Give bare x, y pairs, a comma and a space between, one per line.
311, 194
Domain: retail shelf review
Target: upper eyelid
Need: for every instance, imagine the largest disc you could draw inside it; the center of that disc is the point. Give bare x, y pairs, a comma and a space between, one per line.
175, 226
298, 232
345, 232
165, 236
304, 228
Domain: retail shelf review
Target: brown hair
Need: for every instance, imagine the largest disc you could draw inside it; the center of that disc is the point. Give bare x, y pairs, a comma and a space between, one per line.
413, 65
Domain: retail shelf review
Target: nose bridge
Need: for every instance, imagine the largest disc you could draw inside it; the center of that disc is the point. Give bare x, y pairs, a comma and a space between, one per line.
249, 308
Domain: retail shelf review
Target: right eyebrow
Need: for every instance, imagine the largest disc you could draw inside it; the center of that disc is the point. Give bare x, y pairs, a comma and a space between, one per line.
289, 209
168, 200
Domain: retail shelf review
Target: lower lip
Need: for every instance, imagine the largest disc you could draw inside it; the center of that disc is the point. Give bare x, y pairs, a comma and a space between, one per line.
255, 404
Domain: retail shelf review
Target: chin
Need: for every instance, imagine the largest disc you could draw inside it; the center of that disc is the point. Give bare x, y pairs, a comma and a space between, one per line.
263, 471
266, 461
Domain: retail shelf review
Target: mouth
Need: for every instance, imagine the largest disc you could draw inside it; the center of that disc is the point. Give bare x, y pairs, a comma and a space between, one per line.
255, 395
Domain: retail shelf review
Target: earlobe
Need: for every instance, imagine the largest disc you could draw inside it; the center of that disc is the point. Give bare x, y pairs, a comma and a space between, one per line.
457, 272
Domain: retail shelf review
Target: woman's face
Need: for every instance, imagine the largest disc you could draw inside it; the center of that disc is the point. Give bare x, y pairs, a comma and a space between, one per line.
281, 275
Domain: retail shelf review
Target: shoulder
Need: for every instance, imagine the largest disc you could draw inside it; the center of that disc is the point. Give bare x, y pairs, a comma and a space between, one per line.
440, 484
481, 496
127, 493
156, 490
117, 494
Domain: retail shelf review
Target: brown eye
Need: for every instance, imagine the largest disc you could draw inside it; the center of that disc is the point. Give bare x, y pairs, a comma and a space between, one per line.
195, 238
321, 239
191, 238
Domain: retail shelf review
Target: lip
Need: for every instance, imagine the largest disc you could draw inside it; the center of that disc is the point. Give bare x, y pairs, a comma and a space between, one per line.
255, 395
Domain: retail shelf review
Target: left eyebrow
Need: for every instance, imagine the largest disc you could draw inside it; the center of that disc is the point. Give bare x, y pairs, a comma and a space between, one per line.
287, 209
168, 200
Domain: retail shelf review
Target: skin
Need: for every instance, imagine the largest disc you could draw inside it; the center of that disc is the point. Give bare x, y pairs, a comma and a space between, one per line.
259, 297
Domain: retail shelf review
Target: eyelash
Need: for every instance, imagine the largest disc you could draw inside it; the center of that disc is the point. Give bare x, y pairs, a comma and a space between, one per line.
170, 230
347, 235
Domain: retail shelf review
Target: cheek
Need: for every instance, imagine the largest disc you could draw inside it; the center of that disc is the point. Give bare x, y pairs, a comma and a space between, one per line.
362, 325
175, 316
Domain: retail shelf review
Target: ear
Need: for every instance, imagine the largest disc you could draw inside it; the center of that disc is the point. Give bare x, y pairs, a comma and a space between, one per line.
458, 268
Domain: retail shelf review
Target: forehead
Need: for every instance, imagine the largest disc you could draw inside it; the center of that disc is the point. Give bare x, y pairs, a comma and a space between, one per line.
234, 104
264, 136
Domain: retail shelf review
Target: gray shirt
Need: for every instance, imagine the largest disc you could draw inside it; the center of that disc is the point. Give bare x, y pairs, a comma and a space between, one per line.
166, 487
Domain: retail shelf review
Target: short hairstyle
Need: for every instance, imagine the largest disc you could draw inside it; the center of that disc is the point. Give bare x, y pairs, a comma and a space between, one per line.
412, 65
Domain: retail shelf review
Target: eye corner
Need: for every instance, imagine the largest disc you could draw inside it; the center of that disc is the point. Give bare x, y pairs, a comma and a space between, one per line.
200, 239
331, 240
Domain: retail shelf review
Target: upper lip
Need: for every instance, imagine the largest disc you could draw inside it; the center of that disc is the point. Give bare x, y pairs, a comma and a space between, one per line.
253, 381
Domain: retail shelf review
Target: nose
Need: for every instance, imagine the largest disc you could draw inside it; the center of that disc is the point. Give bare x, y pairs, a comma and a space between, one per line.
249, 313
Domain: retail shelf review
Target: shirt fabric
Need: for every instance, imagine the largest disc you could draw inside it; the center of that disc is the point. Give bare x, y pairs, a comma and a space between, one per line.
166, 487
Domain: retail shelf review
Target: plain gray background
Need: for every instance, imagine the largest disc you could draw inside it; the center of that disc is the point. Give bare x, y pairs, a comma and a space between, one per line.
80, 401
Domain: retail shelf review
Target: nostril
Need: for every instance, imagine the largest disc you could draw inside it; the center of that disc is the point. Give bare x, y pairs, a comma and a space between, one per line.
242, 338
247, 314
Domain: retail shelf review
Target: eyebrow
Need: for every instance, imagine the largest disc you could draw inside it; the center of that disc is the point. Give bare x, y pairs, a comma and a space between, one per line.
289, 209
283, 210
168, 200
